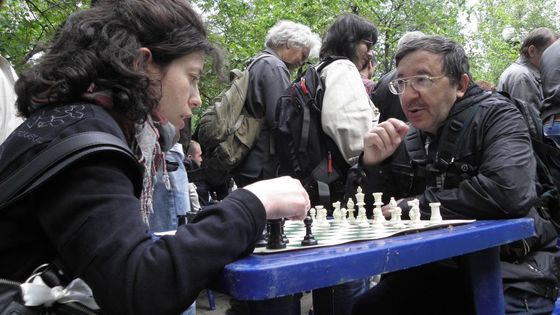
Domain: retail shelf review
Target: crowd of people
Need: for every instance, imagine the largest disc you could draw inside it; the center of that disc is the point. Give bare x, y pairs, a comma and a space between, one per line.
131, 69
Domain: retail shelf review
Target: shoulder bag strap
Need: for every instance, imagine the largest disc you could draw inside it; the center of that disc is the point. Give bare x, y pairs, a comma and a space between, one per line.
54, 159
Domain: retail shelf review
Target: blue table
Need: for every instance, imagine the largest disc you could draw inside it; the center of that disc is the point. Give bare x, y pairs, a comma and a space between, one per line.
260, 277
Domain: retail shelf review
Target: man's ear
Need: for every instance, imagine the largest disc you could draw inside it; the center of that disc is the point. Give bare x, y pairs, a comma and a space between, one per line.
532, 51
463, 85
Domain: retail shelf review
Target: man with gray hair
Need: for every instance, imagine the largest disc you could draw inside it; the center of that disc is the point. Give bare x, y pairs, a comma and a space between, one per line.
288, 46
522, 79
388, 103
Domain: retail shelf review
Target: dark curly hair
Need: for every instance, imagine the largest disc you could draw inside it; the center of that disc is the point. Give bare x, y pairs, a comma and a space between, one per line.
99, 46
345, 34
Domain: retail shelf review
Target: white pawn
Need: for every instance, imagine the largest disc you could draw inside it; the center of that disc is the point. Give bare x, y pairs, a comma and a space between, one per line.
362, 220
322, 215
313, 213
396, 213
350, 209
344, 221
435, 216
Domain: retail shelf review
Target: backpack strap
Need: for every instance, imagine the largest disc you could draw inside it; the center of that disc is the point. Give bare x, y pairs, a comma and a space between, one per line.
450, 142
56, 158
453, 136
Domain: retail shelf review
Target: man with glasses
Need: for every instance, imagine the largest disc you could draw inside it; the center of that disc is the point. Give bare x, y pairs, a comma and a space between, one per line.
470, 150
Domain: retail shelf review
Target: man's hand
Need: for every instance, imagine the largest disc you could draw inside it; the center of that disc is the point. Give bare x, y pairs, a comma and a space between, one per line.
382, 141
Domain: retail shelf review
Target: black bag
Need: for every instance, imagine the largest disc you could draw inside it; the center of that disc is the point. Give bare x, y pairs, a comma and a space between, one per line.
46, 164
303, 150
547, 156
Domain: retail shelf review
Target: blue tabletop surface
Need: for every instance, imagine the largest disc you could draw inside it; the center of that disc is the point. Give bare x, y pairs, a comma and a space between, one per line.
258, 277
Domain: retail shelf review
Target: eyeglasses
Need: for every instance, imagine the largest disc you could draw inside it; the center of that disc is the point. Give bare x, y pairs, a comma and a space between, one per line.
418, 82
368, 43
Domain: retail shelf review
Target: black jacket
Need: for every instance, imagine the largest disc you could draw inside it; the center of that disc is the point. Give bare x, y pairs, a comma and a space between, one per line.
492, 177
269, 78
89, 218
550, 76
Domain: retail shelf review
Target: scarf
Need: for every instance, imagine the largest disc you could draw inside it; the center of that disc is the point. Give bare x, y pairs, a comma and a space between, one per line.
144, 144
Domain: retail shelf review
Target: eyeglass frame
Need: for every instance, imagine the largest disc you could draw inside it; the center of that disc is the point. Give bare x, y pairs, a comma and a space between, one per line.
407, 80
369, 43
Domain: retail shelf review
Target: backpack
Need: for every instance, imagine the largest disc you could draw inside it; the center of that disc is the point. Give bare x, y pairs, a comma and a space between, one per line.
302, 149
547, 156
226, 131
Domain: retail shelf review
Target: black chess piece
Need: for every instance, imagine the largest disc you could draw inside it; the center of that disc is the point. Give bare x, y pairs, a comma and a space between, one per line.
275, 237
261, 242
309, 239
284, 237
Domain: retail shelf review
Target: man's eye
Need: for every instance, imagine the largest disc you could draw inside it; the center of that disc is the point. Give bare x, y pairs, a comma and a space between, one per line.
422, 80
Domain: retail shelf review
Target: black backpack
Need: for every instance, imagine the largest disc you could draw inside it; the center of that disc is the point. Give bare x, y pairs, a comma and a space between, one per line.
547, 156
303, 150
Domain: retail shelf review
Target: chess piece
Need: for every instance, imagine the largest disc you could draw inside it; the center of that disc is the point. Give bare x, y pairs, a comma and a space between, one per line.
396, 213
308, 239
313, 213
350, 209
262, 241
275, 240
435, 216
284, 237
378, 219
322, 217
414, 213
361, 220
337, 214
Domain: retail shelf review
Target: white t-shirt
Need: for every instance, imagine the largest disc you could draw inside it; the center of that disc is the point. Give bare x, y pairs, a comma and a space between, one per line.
8, 119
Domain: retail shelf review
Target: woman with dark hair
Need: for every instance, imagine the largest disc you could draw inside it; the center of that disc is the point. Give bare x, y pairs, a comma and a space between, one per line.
348, 112
129, 68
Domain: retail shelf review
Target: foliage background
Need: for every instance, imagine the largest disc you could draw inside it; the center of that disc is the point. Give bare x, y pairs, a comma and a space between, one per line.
239, 26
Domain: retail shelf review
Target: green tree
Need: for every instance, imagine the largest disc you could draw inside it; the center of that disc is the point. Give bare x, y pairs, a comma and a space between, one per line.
26, 25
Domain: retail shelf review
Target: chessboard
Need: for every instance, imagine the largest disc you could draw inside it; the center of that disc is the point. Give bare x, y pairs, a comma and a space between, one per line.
318, 231
336, 234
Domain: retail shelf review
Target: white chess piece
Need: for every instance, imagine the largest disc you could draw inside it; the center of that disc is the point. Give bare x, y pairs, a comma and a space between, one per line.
435, 216
378, 218
361, 219
313, 214
414, 213
350, 209
396, 213
322, 217
337, 215
344, 221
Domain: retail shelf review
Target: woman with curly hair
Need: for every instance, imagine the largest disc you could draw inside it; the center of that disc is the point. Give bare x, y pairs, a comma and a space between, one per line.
129, 68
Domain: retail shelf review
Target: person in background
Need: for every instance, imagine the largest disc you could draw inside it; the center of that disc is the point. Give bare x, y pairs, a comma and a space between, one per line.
8, 118
347, 113
129, 68
387, 102
550, 65
288, 46
367, 73
492, 175
522, 79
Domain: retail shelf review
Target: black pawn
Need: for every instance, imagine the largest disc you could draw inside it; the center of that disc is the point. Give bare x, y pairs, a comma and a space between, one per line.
309, 239
275, 237
284, 236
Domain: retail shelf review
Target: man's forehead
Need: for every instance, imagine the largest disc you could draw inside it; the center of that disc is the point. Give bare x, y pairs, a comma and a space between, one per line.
420, 62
